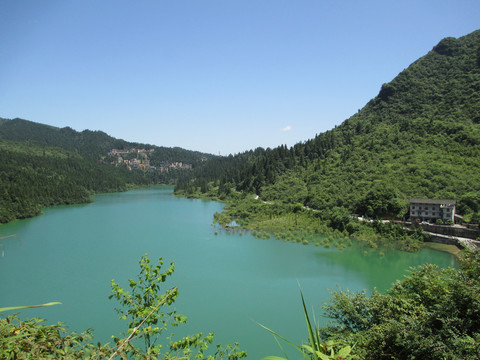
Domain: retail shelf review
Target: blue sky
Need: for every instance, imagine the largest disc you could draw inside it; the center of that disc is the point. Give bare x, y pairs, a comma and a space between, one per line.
209, 75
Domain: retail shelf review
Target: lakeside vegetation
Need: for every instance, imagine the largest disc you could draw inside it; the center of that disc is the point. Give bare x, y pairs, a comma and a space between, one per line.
431, 314
306, 226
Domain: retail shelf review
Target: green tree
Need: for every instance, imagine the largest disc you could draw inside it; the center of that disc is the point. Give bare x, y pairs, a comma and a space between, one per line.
142, 308
381, 201
340, 218
142, 305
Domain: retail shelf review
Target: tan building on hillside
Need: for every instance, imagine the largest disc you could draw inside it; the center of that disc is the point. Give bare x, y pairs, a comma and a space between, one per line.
432, 209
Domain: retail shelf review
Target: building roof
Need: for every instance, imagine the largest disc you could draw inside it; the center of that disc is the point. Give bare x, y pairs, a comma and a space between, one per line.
433, 201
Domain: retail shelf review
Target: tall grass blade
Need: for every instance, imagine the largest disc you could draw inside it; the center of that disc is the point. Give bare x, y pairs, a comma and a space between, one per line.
281, 348
29, 306
287, 341
313, 339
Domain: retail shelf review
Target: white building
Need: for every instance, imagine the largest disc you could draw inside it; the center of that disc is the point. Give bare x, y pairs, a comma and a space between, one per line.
432, 209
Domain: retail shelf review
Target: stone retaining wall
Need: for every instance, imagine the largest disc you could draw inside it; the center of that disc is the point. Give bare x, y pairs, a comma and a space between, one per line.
457, 241
443, 240
452, 231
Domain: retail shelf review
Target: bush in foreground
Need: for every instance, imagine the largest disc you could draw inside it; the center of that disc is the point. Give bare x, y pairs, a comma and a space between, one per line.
146, 308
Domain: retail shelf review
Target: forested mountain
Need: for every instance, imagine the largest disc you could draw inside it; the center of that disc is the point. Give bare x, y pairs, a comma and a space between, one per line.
419, 137
42, 165
32, 177
92, 144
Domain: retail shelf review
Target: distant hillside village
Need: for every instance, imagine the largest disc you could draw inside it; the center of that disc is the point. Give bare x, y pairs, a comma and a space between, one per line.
140, 159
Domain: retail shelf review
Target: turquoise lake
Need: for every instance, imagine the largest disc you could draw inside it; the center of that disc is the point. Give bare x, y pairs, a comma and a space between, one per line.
228, 282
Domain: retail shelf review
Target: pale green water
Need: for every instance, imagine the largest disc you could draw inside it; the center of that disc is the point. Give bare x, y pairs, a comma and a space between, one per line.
227, 282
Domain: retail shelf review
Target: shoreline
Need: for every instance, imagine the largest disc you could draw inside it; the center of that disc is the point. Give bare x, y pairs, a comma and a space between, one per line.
450, 249
129, 187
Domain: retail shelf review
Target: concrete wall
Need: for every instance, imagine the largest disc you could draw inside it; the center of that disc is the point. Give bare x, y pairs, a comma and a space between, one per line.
459, 242
452, 231
443, 240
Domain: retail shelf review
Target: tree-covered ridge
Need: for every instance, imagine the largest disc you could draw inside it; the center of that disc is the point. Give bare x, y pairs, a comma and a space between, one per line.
32, 177
42, 165
418, 138
93, 144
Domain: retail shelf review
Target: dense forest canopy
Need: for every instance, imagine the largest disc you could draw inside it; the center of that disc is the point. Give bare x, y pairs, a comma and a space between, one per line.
42, 165
88, 143
419, 137
32, 177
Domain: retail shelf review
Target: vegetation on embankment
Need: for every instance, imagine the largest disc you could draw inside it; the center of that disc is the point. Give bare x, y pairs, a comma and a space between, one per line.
451, 249
299, 224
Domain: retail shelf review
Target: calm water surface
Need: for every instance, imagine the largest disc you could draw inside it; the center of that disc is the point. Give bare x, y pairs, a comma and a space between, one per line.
228, 282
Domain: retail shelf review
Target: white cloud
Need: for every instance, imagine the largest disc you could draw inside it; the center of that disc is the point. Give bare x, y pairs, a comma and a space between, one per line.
287, 128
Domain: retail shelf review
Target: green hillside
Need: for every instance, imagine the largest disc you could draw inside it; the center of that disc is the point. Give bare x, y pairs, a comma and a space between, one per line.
419, 137
42, 165
92, 144
32, 177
